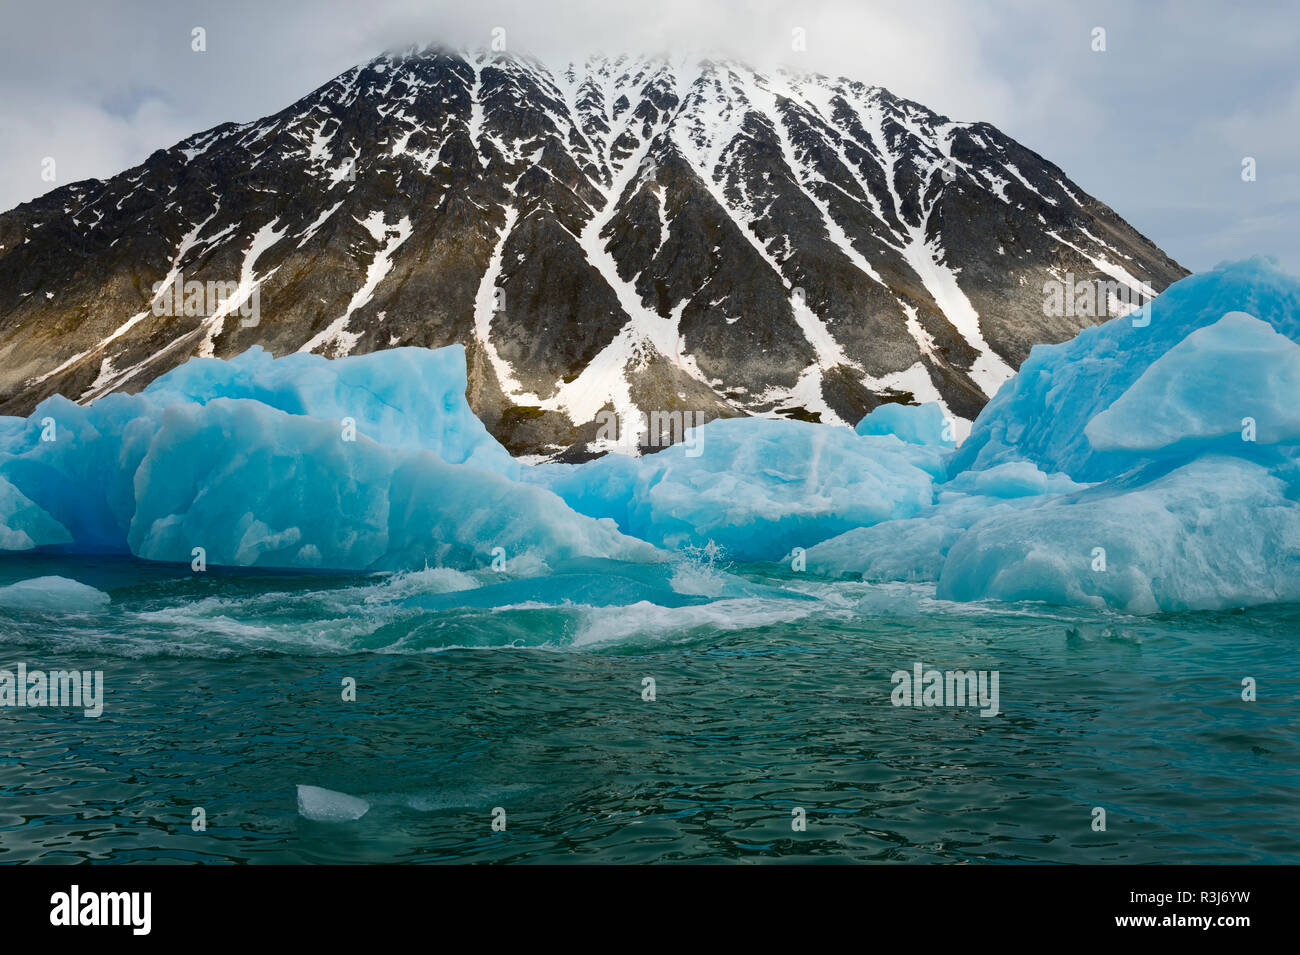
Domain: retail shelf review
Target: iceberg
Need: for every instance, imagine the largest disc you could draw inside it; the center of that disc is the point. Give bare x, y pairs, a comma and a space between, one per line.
286, 481
53, 595
409, 398
757, 487
1215, 532
1041, 413
1150, 464
78, 463
916, 424
1143, 468
23, 524
254, 486
1236, 380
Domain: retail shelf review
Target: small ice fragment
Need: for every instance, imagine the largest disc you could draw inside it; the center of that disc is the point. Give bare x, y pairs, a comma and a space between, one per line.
53, 594
326, 805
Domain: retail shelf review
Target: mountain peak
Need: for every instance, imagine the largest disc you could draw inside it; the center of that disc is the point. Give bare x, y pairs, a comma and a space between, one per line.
625, 234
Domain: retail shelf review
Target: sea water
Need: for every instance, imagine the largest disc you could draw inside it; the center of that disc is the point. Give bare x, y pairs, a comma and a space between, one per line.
610, 713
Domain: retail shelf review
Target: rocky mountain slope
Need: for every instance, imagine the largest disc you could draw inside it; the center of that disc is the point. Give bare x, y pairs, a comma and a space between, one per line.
628, 234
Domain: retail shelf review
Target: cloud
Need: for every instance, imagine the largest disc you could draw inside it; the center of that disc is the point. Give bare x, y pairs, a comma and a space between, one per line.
1155, 126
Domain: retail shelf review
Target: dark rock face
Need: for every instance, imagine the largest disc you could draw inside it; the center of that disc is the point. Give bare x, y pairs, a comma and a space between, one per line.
626, 235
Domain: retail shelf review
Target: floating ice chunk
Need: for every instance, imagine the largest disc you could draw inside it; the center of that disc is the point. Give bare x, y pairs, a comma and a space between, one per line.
326, 805
24, 525
1216, 532
409, 398
907, 550
652, 623
1040, 414
168, 470
605, 583
78, 465
915, 424
254, 486
915, 549
1009, 480
1201, 393
55, 594
758, 487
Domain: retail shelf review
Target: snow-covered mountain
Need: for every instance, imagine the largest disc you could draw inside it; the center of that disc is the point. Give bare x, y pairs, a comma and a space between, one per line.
628, 233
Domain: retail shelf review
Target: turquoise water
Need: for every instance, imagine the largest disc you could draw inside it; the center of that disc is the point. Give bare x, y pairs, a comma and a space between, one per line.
772, 692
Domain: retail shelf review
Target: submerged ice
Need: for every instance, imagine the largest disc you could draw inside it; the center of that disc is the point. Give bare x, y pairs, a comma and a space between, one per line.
1150, 464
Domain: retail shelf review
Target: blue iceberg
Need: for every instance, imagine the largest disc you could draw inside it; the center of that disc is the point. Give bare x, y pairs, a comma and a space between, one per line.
757, 487
916, 549
1139, 467
1215, 532
255, 486
1150, 464
1040, 414
1236, 380
24, 524
290, 478
408, 398
915, 424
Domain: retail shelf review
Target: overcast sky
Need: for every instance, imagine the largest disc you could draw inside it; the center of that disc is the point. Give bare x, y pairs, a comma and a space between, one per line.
1156, 126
